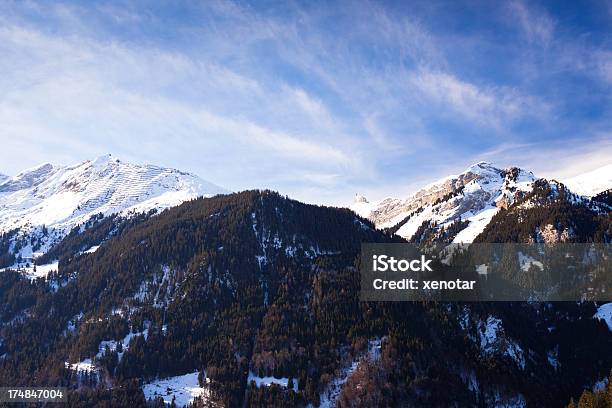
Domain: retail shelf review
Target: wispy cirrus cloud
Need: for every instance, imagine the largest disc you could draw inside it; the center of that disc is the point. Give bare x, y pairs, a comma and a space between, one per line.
537, 25
79, 93
489, 106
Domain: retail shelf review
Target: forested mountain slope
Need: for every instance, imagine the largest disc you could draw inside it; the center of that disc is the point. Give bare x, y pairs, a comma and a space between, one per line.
253, 288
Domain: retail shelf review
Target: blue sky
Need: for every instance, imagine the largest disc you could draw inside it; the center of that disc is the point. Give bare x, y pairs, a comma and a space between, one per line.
318, 100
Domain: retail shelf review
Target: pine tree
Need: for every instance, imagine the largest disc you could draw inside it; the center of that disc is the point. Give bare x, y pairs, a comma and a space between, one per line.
290, 383
586, 400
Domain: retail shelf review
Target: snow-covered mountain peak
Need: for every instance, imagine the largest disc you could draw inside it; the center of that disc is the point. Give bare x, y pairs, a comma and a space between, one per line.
362, 206
488, 169
473, 197
480, 167
591, 182
480, 170
61, 197
105, 158
360, 199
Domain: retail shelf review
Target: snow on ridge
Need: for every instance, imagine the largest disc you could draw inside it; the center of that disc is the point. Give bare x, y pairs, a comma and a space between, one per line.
27, 178
591, 182
481, 168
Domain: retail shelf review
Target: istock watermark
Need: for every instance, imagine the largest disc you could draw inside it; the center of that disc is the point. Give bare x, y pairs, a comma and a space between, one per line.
383, 263
486, 272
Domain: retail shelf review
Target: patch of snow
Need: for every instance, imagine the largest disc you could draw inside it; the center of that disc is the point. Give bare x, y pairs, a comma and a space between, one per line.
526, 261
117, 312
465, 319
34, 272
261, 260
470, 380
150, 290
268, 381
482, 269
374, 349
182, 389
362, 224
553, 357
92, 249
328, 397
600, 385
604, 312
493, 340
477, 224
72, 323
85, 366
504, 401
125, 343
488, 333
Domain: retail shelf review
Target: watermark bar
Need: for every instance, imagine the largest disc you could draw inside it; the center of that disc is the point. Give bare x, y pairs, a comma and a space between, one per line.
486, 272
32, 394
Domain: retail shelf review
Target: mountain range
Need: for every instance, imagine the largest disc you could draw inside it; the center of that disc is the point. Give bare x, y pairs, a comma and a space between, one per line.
467, 202
252, 299
60, 198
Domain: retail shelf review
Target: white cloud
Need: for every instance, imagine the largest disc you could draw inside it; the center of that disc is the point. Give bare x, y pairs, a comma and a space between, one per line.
491, 106
603, 65
287, 146
316, 111
537, 26
373, 125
